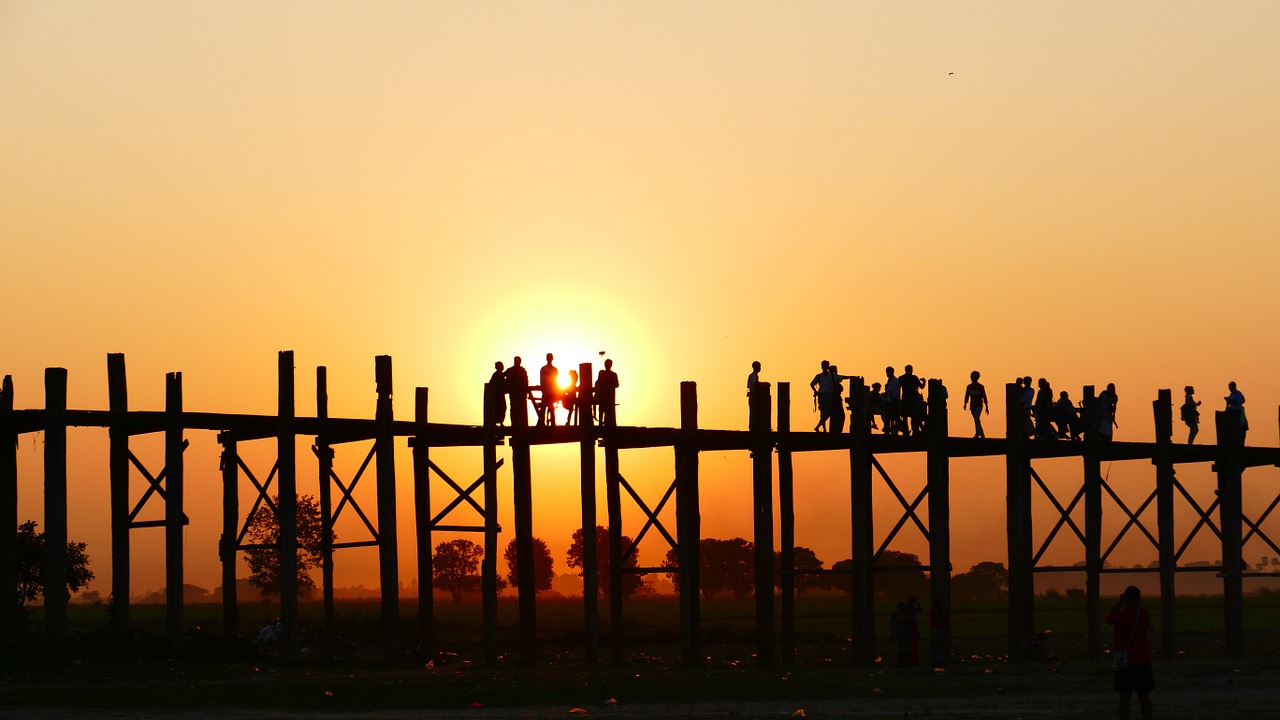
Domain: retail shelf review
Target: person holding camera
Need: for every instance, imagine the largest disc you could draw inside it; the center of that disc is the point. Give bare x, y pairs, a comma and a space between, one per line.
1132, 655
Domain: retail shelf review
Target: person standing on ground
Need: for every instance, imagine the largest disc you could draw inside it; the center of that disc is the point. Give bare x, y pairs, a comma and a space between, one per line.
496, 395
975, 401
606, 395
1191, 414
1129, 622
517, 381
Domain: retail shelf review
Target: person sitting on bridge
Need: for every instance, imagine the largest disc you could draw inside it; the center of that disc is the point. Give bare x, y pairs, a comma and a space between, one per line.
875, 405
1066, 417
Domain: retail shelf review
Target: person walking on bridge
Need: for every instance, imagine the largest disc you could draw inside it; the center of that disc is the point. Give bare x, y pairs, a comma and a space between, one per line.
975, 401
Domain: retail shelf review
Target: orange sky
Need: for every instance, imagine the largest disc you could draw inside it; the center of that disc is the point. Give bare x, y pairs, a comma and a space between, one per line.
1087, 198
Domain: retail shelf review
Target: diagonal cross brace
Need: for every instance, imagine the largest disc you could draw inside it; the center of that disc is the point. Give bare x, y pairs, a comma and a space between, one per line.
1204, 519
1064, 516
258, 501
153, 484
463, 495
652, 515
1133, 520
910, 509
346, 491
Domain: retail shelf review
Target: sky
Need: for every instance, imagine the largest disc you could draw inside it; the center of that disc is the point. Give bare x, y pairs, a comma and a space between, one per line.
1078, 191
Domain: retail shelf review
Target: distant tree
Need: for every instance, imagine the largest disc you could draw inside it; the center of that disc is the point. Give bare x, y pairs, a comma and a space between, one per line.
455, 564
543, 565
631, 582
726, 566
30, 551
984, 581
264, 531
806, 565
903, 581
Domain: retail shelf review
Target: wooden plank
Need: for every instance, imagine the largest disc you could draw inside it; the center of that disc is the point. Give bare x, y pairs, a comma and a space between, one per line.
174, 497
938, 469
388, 555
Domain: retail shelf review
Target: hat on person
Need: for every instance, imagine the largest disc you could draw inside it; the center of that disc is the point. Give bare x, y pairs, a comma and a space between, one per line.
1132, 592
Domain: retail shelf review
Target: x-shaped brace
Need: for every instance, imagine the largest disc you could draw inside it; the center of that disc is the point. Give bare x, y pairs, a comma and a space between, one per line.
652, 516
1064, 516
153, 484
910, 509
463, 494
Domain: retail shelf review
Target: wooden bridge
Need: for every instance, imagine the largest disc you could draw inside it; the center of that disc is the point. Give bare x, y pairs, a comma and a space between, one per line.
1230, 458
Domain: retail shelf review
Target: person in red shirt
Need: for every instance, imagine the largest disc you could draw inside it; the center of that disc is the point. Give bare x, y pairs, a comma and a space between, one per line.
1129, 621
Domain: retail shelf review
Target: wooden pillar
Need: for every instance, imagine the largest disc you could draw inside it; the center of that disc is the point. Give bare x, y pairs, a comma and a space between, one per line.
388, 557
1018, 522
613, 502
118, 467
287, 484
1229, 468
324, 472
863, 545
489, 571
1092, 459
8, 512
1163, 460
227, 551
174, 487
787, 522
590, 553
938, 468
522, 499
422, 526
762, 502
55, 505
689, 528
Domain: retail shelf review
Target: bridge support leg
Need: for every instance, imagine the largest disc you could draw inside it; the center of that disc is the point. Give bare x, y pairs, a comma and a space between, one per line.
1229, 468
590, 551
787, 524
173, 508
1163, 407
762, 497
388, 555
939, 480
1018, 523
1091, 456
863, 544
118, 468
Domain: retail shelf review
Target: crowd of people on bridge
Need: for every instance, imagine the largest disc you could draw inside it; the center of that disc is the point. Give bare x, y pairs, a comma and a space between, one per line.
512, 384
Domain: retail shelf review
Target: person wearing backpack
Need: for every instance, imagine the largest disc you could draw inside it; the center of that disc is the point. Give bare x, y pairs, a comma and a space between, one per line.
1132, 655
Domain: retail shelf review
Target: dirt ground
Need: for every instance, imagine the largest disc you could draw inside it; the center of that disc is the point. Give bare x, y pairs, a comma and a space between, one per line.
1076, 690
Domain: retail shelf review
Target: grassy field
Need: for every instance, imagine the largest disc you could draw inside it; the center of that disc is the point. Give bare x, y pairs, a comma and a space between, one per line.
97, 675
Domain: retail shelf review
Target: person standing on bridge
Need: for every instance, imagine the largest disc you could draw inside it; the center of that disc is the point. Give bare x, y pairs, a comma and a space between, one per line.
518, 389
912, 400
821, 385
975, 400
752, 380
1235, 408
892, 403
1107, 402
1191, 414
1027, 402
549, 383
496, 395
606, 395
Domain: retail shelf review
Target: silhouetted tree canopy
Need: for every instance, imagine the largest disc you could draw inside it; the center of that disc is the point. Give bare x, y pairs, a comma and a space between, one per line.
30, 552
454, 566
806, 561
726, 566
984, 581
631, 583
890, 584
543, 565
264, 562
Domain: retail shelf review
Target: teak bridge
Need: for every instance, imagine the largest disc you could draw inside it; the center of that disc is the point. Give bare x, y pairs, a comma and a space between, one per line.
1230, 458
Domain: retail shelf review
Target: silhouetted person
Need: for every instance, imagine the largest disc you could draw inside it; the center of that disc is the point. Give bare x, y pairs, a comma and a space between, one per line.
975, 401
875, 405
1235, 408
1044, 411
837, 401
752, 380
569, 399
1191, 414
892, 403
496, 395
1129, 622
606, 395
821, 386
1028, 401
1107, 402
912, 399
549, 383
1067, 417
518, 391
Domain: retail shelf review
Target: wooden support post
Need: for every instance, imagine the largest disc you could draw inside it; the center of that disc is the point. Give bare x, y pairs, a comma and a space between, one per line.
1091, 456
762, 501
938, 468
1163, 460
422, 527
8, 513
55, 505
613, 503
227, 552
522, 499
388, 558
787, 522
1018, 522
587, 458
118, 468
324, 467
1229, 467
863, 545
689, 528
489, 572
287, 484
174, 486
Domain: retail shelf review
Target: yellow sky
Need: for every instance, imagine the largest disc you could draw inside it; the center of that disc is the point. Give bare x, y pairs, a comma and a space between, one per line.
1078, 191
